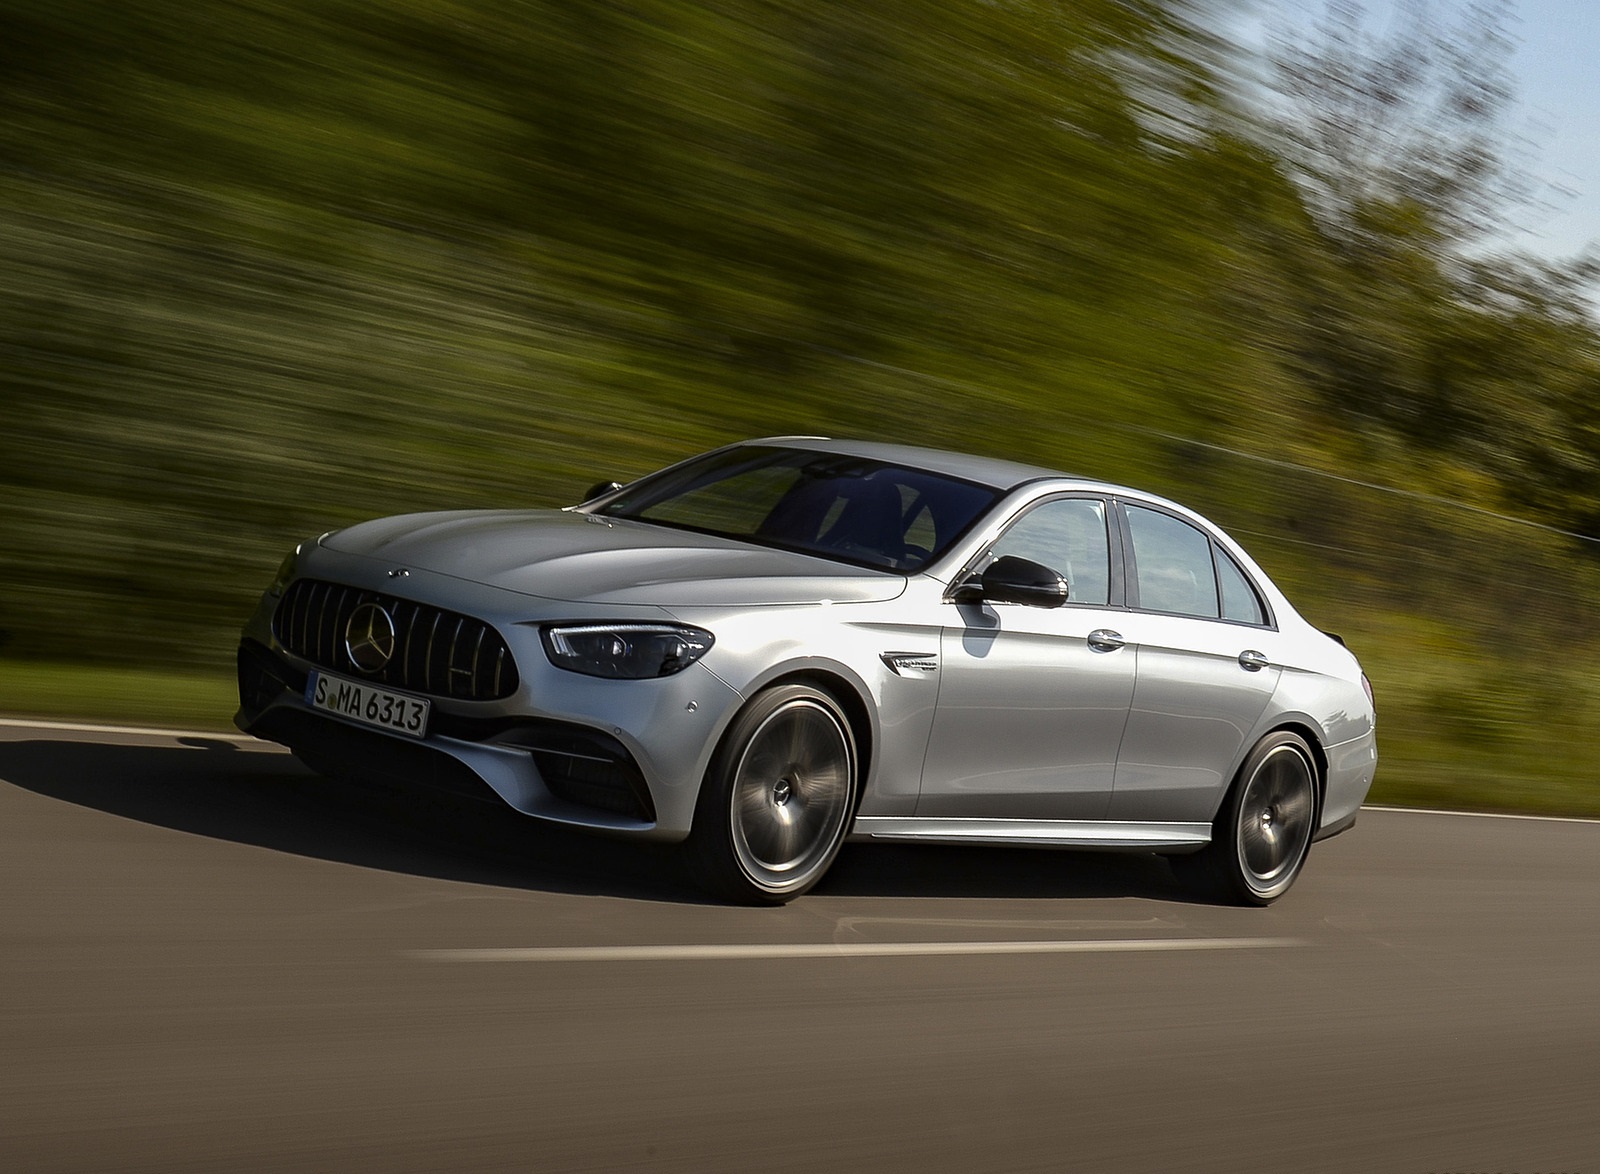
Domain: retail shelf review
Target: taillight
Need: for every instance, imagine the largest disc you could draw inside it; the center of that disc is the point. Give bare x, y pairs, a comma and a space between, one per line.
1367, 685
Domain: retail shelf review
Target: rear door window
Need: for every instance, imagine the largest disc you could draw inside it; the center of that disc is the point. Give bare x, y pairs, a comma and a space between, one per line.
1173, 570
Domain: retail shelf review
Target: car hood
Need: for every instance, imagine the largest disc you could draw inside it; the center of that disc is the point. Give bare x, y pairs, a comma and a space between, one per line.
556, 554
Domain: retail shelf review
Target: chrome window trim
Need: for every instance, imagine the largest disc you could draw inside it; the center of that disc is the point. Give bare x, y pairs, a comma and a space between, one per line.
1115, 586
1121, 503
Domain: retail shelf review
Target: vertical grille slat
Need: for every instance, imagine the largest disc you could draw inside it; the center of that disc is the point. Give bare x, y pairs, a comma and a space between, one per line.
314, 627
288, 620
417, 657
327, 645
349, 600
450, 670
316, 646
316, 594
433, 641
477, 657
442, 653
405, 643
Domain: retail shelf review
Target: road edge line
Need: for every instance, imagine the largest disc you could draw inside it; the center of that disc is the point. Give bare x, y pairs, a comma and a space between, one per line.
22, 723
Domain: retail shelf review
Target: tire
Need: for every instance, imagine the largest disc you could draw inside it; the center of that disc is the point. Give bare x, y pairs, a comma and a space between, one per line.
777, 800
1262, 835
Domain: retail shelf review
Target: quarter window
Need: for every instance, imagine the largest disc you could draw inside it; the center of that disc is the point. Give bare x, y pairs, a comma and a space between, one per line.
1067, 535
1239, 599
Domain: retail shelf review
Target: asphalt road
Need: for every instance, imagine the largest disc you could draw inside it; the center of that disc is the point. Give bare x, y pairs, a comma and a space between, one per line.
212, 960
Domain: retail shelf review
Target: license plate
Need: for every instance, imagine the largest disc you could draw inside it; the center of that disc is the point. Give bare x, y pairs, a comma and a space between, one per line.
368, 704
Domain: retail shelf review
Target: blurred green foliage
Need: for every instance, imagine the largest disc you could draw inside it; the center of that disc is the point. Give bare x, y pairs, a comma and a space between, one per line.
267, 268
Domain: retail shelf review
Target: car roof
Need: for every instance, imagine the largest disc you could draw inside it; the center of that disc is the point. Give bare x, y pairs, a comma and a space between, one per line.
991, 471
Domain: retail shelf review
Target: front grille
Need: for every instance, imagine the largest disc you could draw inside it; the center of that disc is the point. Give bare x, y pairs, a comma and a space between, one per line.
437, 652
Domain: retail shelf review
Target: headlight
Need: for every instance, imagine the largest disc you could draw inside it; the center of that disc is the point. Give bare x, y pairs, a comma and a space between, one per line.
625, 651
285, 573
290, 562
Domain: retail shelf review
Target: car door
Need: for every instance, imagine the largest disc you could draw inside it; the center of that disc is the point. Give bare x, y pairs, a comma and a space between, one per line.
1205, 663
1032, 700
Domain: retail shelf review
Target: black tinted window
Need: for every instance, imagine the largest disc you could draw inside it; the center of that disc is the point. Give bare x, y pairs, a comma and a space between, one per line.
858, 510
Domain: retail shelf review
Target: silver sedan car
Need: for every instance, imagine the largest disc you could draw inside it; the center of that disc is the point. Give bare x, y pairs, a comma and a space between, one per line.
774, 647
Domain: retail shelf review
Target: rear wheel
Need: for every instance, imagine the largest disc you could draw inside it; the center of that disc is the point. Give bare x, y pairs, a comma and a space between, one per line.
777, 800
1262, 836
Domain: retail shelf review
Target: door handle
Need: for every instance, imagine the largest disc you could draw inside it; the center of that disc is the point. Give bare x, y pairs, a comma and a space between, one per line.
1105, 640
1252, 661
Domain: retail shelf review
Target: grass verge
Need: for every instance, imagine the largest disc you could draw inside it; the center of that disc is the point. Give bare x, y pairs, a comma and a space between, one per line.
1458, 740
187, 699
1464, 729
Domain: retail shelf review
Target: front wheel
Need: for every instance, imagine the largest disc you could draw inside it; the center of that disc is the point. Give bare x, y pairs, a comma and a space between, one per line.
776, 802
1262, 836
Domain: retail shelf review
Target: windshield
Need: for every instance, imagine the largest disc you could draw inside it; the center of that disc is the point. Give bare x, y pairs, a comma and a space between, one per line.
850, 508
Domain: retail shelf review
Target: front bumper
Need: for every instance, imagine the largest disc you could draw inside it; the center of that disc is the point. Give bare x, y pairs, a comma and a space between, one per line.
624, 757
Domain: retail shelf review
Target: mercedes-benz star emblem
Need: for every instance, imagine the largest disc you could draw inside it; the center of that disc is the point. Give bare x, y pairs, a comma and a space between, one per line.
369, 637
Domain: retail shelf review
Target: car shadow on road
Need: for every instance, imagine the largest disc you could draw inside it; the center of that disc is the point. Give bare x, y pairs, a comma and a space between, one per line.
939, 870
210, 787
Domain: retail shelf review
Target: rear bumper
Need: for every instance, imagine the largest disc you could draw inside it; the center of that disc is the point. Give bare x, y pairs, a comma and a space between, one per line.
1351, 766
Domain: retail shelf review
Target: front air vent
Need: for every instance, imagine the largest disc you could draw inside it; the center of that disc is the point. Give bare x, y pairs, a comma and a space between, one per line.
436, 652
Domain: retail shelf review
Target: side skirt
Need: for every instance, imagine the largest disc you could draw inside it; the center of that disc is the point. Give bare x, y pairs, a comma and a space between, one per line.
1044, 833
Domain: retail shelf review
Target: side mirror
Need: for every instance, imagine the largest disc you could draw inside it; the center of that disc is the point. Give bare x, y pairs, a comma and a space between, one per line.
600, 489
1010, 579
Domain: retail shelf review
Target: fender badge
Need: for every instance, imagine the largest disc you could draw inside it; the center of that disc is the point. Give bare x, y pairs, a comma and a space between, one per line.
911, 664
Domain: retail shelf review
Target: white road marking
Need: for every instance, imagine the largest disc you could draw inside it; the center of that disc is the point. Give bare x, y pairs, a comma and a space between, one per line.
1479, 814
785, 950
140, 731
854, 925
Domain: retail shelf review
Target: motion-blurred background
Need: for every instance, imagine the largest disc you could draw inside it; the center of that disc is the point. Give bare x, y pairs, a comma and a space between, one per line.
268, 268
